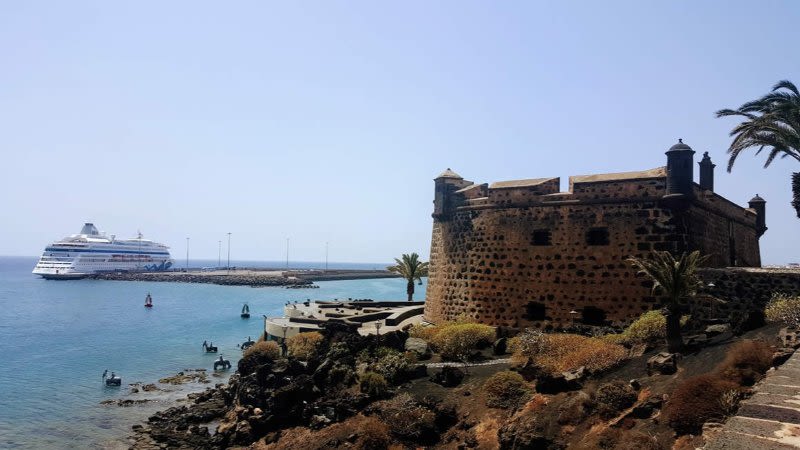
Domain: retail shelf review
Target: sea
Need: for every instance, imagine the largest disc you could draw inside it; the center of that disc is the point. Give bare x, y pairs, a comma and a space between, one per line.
57, 338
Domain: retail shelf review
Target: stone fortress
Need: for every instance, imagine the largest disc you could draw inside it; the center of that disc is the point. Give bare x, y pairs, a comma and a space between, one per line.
522, 254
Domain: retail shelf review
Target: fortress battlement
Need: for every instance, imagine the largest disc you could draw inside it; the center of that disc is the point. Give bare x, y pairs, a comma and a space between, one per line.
522, 253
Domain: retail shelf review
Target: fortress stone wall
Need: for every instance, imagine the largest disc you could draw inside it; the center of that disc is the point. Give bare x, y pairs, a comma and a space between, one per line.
521, 253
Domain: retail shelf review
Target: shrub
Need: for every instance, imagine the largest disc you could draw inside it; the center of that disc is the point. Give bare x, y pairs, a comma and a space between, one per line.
784, 309
613, 398
648, 328
373, 384
506, 390
410, 420
746, 362
374, 434
457, 341
422, 331
575, 408
696, 401
341, 374
304, 345
393, 366
556, 353
263, 350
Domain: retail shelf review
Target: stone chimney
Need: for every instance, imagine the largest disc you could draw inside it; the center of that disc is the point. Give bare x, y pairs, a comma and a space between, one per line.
706, 173
759, 205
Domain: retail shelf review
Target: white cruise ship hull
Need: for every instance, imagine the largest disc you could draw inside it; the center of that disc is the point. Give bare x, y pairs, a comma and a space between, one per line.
90, 252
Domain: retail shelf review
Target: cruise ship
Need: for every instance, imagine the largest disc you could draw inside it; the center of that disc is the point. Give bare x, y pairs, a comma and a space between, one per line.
91, 251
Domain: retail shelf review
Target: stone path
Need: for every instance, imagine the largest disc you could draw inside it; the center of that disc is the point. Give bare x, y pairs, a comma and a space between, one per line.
491, 362
770, 419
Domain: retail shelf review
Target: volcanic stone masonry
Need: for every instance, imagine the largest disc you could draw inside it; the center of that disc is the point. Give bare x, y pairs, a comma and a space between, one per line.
521, 253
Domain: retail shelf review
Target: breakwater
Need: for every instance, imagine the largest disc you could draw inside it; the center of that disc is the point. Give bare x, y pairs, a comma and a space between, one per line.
247, 277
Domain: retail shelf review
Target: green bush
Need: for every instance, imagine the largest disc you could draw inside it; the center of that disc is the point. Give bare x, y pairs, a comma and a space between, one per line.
304, 345
784, 309
648, 328
507, 390
393, 366
373, 384
459, 340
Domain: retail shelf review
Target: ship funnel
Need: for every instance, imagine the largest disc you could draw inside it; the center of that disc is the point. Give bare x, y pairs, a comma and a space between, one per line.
89, 229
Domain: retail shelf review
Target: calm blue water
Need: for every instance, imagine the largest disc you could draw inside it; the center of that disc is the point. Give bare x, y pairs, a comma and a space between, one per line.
57, 337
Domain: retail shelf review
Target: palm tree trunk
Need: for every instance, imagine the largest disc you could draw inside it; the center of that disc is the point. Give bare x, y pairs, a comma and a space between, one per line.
796, 192
674, 339
410, 289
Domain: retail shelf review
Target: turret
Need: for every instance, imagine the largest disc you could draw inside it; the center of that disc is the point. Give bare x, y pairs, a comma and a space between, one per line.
759, 205
445, 185
680, 169
706, 173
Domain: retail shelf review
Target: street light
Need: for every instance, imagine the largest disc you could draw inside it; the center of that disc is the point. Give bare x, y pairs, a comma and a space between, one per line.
229, 252
219, 255
187, 254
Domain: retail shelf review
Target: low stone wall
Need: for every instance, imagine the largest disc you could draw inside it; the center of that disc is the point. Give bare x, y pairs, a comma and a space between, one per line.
744, 289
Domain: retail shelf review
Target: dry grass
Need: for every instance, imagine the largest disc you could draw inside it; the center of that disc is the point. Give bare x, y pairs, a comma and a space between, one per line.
695, 401
304, 345
263, 350
426, 332
556, 353
783, 308
746, 362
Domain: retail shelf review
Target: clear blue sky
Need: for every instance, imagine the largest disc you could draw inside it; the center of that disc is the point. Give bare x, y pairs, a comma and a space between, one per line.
328, 121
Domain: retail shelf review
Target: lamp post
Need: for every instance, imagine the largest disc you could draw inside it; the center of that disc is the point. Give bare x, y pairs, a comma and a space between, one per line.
229, 252
219, 255
187, 254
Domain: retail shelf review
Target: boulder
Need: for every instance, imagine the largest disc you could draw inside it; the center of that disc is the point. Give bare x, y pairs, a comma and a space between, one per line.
663, 363
647, 408
448, 376
717, 329
790, 337
563, 382
781, 356
695, 341
418, 346
500, 346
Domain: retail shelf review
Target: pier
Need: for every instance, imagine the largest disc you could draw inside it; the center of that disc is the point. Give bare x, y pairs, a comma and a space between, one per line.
247, 276
363, 316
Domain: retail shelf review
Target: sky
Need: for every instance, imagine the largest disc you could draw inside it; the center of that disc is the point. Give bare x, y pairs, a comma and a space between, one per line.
327, 121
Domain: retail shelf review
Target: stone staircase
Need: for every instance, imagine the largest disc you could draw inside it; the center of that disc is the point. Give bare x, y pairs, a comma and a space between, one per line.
768, 420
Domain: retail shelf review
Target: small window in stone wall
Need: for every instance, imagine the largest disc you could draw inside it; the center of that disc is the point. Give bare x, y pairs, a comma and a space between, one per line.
535, 311
597, 236
541, 237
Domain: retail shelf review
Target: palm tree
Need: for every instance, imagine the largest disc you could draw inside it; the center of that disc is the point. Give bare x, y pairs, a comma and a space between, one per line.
773, 122
676, 280
411, 268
